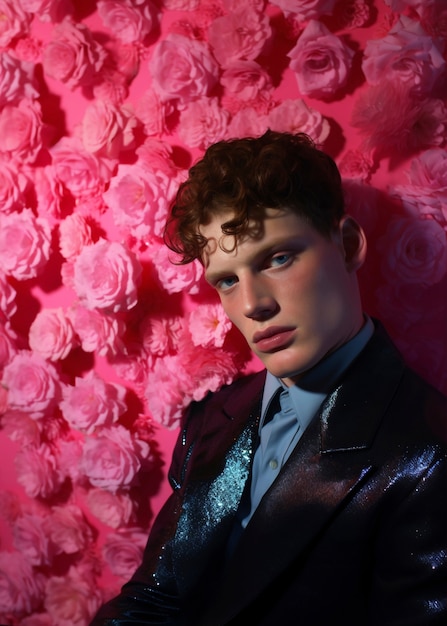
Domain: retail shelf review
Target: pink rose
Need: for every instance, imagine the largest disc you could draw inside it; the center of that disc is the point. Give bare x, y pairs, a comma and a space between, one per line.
38, 619
112, 458
73, 56
295, 116
48, 10
356, 164
107, 129
241, 34
49, 190
202, 123
175, 278
247, 123
24, 244
8, 294
7, 347
31, 540
13, 185
129, 22
38, 472
21, 130
247, 81
16, 80
106, 276
98, 332
92, 403
19, 426
165, 391
68, 529
139, 198
426, 193
21, 587
181, 5
81, 172
73, 599
321, 61
208, 325
33, 384
407, 54
51, 334
15, 22
123, 551
414, 251
74, 233
183, 68
304, 10
112, 509
151, 111
162, 336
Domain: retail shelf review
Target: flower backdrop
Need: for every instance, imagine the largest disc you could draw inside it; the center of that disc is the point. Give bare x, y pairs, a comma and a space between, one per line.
103, 340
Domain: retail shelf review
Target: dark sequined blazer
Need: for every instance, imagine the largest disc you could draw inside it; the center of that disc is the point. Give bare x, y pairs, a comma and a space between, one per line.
352, 533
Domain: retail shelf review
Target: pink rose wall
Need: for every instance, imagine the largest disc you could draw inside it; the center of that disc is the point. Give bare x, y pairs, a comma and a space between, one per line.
103, 340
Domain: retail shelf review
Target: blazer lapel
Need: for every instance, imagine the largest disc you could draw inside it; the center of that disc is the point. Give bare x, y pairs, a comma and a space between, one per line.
314, 482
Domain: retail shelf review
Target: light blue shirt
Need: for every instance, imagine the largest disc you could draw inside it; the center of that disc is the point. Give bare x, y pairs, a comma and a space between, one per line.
299, 404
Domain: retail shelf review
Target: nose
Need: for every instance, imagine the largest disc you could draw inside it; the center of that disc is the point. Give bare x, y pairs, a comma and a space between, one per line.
257, 300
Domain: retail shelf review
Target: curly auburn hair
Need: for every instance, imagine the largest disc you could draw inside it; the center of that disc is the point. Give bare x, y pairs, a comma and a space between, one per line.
244, 177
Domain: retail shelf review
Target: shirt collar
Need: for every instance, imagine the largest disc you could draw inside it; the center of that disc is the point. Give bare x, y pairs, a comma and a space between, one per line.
314, 386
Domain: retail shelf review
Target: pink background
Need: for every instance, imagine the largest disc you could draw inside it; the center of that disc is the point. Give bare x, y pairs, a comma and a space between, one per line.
403, 283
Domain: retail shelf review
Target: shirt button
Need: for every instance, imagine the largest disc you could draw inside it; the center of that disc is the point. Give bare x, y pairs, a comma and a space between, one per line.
273, 464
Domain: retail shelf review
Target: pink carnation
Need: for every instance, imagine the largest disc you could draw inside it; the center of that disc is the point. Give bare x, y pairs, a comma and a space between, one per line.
24, 244
73, 599
37, 471
81, 172
33, 384
175, 278
21, 130
123, 551
31, 540
106, 276
74, 233
92, 403
21, 587
13, 184
97, 331
139, 198
51, 334
68, 529
321, 61
414, 251
112, 509
407, 54
208, 325
208, 370
305, 10
16, 80
183, 68
241, 34
296, 116
128, 21
8, 294
107, 129
15, 22
73, 56
112, 458
202, 123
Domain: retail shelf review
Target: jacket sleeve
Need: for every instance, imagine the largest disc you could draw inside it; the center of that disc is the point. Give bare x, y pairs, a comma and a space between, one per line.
410, 585
151, 596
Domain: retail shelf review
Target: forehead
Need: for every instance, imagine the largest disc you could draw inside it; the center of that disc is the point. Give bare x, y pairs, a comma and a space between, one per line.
278, 227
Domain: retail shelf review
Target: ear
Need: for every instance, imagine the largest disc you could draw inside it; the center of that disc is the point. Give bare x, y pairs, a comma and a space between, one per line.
354, 243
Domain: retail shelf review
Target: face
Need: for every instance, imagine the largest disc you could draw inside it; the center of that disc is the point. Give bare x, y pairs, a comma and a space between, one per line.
292, 292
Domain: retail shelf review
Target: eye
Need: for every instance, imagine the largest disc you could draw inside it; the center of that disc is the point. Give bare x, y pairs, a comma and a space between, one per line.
280, 259
223, 284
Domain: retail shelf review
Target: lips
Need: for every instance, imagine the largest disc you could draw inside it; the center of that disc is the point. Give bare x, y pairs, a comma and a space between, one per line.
273, 338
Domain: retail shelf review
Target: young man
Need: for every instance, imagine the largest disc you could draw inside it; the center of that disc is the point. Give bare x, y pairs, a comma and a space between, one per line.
314, 492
